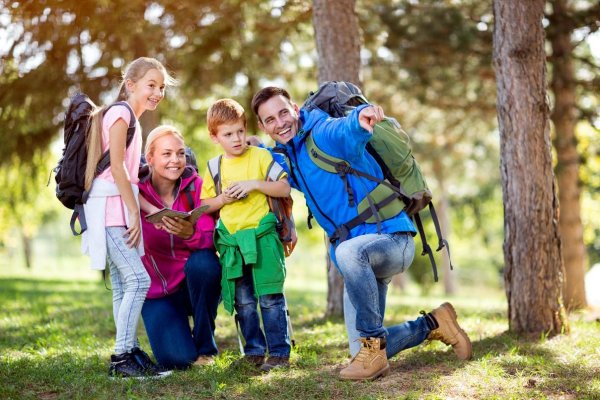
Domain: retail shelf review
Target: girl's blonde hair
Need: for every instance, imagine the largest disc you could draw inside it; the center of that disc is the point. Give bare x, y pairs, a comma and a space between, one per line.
134, 72
157, 133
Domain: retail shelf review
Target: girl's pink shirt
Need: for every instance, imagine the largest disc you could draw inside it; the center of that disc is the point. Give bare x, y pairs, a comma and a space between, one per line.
115, 208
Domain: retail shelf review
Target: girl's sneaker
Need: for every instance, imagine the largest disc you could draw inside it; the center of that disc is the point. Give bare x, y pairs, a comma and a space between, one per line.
125, 365
144, 360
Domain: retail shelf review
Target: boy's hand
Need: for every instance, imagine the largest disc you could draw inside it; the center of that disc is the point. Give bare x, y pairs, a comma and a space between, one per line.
227, 199
240, 190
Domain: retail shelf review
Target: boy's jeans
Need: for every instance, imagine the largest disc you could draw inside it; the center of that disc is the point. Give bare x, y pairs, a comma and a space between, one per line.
368, 263
272, 309
167, 323
130, 283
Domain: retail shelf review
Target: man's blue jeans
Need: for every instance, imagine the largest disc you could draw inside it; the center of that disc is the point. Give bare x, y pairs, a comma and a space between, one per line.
368, 263
272, 310
173, 342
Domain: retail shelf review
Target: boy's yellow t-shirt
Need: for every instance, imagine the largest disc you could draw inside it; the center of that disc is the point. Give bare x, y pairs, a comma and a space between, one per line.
246, 213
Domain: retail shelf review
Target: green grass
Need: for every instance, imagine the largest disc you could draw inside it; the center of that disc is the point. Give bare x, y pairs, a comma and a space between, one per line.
56, 335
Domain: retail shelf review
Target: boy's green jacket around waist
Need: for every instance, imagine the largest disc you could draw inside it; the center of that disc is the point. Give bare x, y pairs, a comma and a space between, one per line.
259, 248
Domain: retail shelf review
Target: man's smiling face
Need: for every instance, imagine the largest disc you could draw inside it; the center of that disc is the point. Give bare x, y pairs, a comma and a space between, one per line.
278, 117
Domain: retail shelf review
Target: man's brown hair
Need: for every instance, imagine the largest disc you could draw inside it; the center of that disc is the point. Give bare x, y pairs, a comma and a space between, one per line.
263, 95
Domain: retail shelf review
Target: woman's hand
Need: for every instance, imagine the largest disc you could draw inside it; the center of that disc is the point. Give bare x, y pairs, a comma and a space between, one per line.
178, 227
133, 234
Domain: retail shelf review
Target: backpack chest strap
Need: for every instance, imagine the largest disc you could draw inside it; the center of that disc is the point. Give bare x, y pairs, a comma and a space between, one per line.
331, 164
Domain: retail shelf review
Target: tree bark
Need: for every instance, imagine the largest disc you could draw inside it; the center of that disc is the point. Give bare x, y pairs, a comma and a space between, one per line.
567, 169
27, 249
337, 37
335, 287
338, 46
532, 253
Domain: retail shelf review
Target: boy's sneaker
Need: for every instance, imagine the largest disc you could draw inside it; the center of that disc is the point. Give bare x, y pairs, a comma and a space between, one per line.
275, 363
144, 360
255, 361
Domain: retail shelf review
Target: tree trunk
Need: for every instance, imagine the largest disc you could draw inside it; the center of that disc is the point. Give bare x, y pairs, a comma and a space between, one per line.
567, 169
337, 37
27, 249
532, 254
448, 276
338, 40
335, 287
148, 121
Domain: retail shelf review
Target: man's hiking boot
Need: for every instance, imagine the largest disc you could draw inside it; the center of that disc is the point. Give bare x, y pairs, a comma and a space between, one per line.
275, 363
255, 361
370, 363
144, 360
125, 366
449, 332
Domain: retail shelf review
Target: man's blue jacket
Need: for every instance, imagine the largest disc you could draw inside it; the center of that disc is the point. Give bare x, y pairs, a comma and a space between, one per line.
325, 192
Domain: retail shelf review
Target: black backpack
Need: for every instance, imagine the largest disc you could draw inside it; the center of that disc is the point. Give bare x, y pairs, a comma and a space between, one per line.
390, 147
70, 171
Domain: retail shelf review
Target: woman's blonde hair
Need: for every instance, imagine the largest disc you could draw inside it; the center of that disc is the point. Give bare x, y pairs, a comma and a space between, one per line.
157, 133
134, 72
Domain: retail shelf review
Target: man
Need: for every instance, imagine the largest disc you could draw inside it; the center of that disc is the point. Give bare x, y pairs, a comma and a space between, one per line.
367, 254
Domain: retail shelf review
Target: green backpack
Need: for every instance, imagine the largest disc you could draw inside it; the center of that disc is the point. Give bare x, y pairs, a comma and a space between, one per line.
390, 146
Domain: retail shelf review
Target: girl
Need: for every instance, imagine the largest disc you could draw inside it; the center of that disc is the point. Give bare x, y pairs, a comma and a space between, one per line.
180, 257
112, 211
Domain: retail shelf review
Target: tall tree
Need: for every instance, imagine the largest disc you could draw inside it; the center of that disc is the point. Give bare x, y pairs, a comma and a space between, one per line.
338, 45
533, 262
564, 20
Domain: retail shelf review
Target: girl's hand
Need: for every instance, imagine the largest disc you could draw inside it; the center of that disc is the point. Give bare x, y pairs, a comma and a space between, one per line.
133, 234
240, 190
178, 227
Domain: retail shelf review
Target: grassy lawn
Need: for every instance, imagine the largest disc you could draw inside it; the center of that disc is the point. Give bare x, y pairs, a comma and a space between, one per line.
56, 335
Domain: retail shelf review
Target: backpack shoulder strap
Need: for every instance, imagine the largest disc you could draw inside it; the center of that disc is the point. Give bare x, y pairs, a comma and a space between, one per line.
274, 172
105, 159
188, 199
323, 160
214, 167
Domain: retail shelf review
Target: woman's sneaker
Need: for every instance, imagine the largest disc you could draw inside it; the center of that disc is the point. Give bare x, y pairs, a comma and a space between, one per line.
144, 360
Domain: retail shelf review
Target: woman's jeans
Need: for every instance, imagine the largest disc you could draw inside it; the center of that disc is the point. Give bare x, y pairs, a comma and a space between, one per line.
273, 312
130, 283
368, 263
173, 342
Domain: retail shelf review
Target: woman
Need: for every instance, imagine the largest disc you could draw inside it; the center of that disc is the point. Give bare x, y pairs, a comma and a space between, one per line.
179, 256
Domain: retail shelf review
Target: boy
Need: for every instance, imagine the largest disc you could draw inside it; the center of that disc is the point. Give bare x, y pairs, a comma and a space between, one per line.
249, 248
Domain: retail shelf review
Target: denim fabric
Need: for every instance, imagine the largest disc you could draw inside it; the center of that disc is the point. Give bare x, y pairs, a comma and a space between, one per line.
130, 283
273, 313
367, 264
166, 319
399, 337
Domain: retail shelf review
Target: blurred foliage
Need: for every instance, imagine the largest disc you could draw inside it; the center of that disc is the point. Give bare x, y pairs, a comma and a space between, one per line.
427, 62
589, 148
